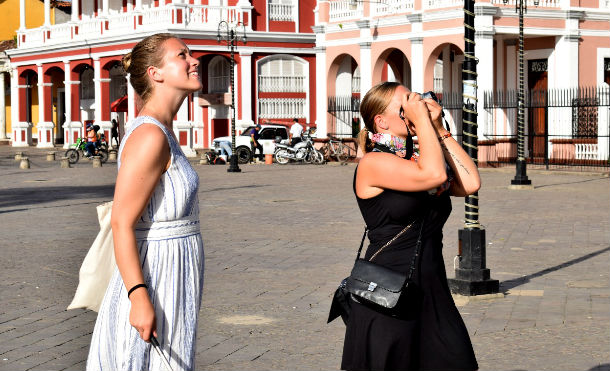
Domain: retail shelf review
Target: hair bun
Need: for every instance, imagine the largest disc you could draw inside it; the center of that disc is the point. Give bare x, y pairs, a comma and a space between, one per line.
126, 61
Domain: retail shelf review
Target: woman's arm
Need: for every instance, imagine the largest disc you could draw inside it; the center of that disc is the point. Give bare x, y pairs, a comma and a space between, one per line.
378, 170
143, 160
467, 180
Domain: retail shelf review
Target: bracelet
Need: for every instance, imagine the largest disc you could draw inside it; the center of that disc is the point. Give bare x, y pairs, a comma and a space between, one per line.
445, 136
135, 288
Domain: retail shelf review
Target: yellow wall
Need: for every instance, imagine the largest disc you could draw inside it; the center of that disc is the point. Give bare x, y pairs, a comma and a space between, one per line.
9, 16
7, 99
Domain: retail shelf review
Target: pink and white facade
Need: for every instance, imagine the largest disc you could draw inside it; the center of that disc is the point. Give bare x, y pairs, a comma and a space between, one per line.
420, 43
75, 67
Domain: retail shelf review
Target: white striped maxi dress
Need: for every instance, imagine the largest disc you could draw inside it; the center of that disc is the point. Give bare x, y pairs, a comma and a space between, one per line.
171, 256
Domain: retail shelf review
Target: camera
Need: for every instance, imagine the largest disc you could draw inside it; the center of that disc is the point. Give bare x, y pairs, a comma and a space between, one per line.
431, 95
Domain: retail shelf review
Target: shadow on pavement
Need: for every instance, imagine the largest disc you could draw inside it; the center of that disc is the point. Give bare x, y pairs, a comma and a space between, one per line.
40, 195
507, 285
233, 188
602, 367
565, 183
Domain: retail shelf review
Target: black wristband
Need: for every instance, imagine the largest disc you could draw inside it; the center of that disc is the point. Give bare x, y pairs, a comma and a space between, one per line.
135, 288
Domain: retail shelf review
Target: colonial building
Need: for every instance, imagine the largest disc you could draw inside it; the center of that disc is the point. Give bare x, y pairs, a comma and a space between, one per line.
421, 44
71, 73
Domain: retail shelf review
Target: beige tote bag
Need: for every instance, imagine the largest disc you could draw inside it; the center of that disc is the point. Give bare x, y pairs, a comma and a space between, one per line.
98, 266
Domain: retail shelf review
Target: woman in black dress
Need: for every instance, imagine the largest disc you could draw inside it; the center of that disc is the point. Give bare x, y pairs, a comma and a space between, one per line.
393, 191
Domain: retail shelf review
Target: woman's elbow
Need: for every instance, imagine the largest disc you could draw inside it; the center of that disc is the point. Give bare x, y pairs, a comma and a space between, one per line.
439, 177
473, 186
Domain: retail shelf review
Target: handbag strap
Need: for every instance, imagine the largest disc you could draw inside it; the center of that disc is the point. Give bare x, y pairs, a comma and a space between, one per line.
366, 229
417, 246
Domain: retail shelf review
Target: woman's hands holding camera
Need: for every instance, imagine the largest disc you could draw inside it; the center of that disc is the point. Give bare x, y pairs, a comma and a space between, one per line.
414, 110
436, 115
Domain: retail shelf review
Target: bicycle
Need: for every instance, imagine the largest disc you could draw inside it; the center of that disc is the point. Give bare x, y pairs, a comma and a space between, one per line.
337, 149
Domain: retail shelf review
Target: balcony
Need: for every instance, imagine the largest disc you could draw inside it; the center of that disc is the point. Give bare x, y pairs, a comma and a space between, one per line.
172, 16
281, 12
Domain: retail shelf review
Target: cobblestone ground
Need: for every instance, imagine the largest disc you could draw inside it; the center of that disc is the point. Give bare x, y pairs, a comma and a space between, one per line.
278, 239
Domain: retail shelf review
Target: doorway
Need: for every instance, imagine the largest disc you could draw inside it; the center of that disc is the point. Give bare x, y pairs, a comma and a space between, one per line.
537, 117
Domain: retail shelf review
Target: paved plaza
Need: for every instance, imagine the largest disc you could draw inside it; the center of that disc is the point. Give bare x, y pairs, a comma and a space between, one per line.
278, 240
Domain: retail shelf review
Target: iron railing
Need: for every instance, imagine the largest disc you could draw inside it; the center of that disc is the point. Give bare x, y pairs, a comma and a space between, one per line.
564, 127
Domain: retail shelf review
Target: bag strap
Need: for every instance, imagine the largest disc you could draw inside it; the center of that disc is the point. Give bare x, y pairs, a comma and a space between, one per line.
417, 250
366, 229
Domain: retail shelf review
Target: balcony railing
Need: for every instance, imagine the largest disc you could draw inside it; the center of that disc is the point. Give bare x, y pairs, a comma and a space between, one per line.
183, 16
281, 108
530, 3
340, 10
438, 4
393, 7
281, 12
295, 84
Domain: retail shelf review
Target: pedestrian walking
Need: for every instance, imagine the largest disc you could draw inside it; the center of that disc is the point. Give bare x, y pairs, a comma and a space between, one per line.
295, 132
156, 290
114, 133
255, 145
397, 190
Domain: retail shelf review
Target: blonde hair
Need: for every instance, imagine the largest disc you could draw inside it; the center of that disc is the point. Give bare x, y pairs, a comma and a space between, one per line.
146, 53
375, 102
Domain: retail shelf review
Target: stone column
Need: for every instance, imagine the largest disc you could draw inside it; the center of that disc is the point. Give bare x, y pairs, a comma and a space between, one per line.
14, 100
45, 125
183, 129
47, 13
321, 86
246, 89
447, 76
21, 15
104, 8
131, 100
417, 67
74, 11
366, 72
485, 81
97, 81
67, 103
2, 108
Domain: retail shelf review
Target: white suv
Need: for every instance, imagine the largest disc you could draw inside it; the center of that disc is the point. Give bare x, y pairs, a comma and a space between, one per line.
268, 133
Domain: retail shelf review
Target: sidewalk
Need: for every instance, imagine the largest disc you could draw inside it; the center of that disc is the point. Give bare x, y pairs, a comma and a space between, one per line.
278, 240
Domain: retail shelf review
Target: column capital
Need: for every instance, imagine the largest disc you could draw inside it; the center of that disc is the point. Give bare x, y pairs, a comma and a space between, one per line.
365, 45
574, 38
70, 82
484, 34
363, 23
319, 49
102, 80
417, 40
415, 17
45, 84
245, 53
39, 65
575, 14
319, 29
485, 10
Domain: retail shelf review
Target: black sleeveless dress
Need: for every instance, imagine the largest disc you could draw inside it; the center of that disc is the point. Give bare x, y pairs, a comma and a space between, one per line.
436, 337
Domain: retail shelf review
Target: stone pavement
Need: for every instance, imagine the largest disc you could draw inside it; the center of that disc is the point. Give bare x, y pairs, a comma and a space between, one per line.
278, 239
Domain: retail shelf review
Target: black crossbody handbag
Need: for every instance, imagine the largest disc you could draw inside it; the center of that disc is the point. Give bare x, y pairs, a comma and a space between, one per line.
385, 290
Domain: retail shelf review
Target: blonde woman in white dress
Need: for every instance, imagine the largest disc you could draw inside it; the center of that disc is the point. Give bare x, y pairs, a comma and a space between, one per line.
156, 290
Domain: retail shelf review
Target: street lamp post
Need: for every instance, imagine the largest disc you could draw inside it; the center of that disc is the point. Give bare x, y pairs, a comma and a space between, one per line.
231, 34
521, 180
472, 277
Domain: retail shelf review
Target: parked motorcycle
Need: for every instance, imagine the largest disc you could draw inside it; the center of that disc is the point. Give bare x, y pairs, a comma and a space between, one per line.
78, 150
303, 151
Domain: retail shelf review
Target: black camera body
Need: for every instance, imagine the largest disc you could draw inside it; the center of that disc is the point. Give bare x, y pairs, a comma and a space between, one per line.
431, 95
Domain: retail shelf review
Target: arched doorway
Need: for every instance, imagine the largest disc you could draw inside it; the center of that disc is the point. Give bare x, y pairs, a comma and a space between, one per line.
344, 102
118, 98
393, 65
56, 102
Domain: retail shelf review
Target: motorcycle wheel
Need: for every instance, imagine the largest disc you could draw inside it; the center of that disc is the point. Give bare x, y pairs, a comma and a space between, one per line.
318, 158
72, 156
281, 157
103, 155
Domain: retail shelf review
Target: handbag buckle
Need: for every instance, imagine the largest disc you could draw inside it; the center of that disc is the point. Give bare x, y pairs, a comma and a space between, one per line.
372, 286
